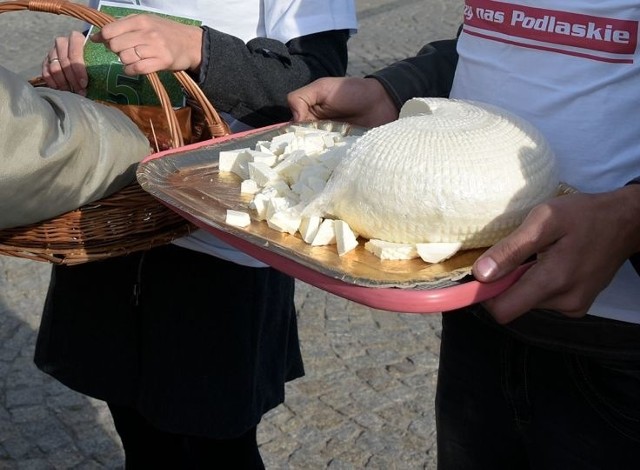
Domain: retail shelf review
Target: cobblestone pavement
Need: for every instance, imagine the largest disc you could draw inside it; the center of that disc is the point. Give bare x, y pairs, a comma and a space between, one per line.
367, 398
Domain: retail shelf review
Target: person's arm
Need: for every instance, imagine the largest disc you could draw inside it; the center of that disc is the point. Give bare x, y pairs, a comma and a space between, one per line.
60, 151
579, 241
377, 98
251, 81
429, 73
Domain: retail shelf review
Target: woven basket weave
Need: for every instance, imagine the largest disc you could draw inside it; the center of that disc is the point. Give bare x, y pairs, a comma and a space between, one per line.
127, 221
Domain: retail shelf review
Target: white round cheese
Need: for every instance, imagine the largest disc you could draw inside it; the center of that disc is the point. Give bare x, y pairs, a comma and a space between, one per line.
447, 171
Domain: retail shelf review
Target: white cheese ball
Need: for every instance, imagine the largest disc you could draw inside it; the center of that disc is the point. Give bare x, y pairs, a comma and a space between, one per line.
446, 171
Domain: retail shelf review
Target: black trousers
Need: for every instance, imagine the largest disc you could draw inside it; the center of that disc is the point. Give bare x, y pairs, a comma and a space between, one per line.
546, 392
147, 447
198, 345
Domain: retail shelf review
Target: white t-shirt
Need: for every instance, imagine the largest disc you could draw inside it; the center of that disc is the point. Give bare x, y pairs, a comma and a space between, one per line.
282, 20
557, 63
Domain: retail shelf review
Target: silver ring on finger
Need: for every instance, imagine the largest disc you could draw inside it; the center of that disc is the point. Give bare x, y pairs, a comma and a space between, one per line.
51, 60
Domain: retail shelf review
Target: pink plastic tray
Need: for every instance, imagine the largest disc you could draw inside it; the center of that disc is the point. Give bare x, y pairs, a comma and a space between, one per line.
173, 176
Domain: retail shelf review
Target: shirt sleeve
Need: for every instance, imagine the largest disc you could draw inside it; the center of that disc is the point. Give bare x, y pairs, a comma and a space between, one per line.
251, 81
60, 151
429, 73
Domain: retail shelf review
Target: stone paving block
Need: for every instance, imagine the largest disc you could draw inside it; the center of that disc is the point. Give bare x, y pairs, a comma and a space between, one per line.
65, 458
23, 397
34, 464
93, 465
370, 421
17, 447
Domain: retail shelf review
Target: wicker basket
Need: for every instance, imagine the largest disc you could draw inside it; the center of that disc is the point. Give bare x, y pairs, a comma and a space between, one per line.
127, 221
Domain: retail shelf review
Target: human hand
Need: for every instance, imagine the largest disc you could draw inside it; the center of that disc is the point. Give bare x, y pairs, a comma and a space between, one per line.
149, 43
359, 101
580, 241
63, 67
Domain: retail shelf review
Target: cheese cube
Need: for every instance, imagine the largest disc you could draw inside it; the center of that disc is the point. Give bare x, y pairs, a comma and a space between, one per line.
304, 192
313, 143
279, 186
237, 218
234, 161
285, 221
326, 234
437, 252
277, 204
281, 141
260, 204
249, 187
345, 238
390, 251
262, 173
288, 169
329, 139
269, 192
293, 145
301, 131
268, 159
263, 146
309, 228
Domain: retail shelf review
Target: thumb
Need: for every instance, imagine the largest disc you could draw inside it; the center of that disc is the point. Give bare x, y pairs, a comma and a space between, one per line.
297, 105
503, 257
98, 37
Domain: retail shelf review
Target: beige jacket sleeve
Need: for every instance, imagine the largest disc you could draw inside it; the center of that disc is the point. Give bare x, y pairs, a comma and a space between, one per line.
59, 151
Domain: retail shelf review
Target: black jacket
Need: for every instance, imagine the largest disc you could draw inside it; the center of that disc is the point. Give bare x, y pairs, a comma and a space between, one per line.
256, 77
429, 73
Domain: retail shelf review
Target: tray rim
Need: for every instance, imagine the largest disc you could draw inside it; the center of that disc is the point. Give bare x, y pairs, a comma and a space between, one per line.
393, 299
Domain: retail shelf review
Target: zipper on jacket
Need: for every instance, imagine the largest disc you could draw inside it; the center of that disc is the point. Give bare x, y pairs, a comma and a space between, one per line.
137, 286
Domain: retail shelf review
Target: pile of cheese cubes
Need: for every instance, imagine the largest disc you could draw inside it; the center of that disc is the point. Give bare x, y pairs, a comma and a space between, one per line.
283, 175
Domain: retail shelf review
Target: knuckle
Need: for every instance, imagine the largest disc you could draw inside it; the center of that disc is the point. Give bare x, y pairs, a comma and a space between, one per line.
143, 20
542, 213
60, 42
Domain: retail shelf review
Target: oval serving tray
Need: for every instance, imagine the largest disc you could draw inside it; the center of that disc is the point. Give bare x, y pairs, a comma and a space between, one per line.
188, 181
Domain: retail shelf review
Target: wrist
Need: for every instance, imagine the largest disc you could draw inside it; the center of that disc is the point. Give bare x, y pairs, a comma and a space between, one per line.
386, 107
635, 257
196, 37
631, 205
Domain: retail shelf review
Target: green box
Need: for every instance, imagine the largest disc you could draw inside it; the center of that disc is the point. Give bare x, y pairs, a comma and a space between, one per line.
107, 80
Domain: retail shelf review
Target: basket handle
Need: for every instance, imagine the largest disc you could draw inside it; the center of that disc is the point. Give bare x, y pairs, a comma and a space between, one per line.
216, 124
